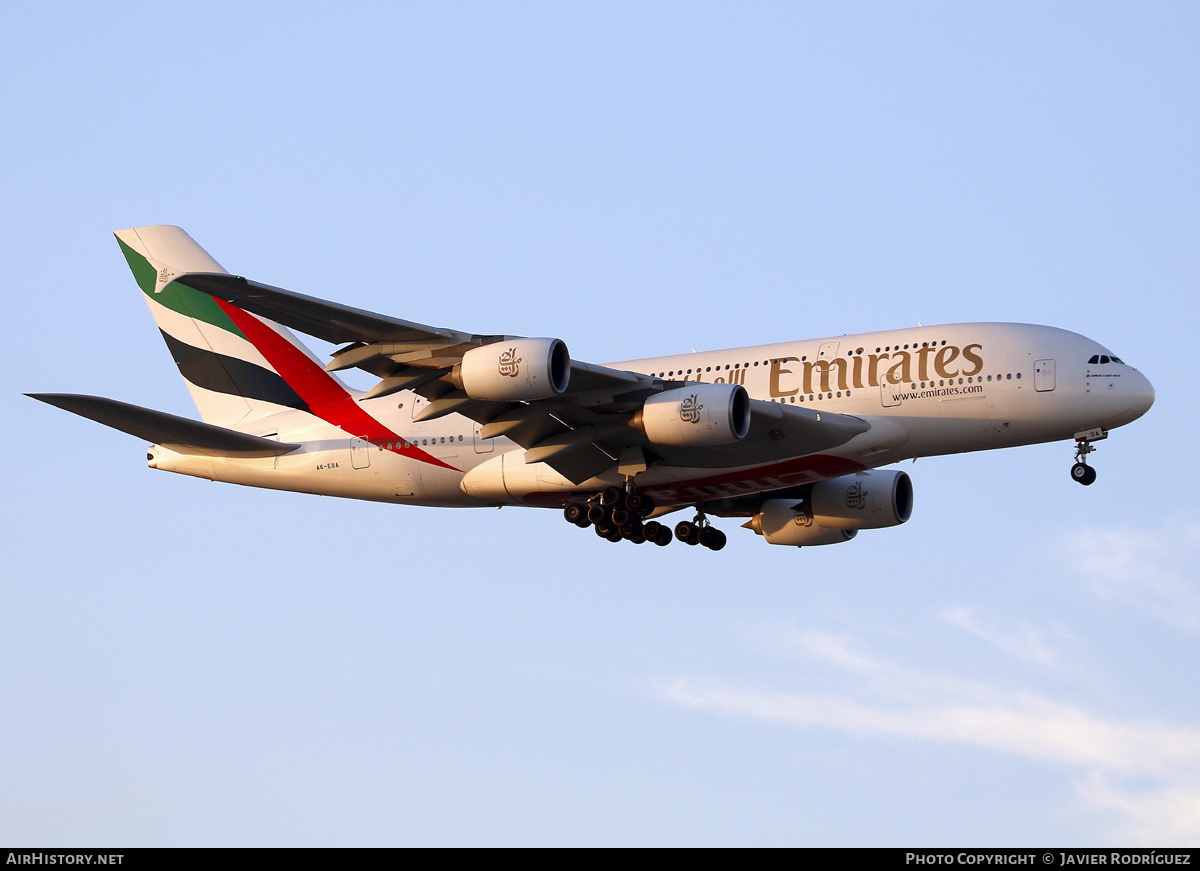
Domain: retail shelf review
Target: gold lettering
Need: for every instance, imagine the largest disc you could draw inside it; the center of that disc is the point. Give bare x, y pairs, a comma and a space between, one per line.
943, 359
923, 362
974, 358
858, 370
825, 366
873, 368
902, 370
777, 370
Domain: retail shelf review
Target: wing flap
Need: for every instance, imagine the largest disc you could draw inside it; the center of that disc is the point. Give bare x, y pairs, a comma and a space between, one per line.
177, 433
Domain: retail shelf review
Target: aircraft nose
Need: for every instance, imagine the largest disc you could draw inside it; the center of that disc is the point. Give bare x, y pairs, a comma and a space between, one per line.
1143, 394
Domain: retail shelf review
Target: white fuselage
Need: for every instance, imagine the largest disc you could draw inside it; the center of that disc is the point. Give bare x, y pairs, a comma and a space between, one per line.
926, 391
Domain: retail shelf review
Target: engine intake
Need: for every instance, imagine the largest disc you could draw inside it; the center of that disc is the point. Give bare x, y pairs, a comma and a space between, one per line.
864, 500
699, 415
522, 370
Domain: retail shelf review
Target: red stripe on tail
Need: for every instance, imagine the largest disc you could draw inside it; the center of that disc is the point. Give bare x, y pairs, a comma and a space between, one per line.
325, 397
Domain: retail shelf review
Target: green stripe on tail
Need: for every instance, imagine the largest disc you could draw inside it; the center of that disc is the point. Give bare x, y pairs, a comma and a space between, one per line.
185, 300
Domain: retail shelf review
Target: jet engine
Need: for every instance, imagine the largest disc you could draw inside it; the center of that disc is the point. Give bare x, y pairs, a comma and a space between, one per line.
784, 521
864, 500
520, 370
699, 415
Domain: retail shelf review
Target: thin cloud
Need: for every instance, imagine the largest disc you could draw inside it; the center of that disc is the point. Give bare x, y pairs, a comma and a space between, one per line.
1020, 724
1161, 815
1155, 572
1033, 644
1145, 774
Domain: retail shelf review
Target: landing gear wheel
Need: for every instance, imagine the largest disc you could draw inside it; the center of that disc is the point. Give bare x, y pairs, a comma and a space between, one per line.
574, 512
657, 533
596, 514
620, 517
1083, 473
604, 530
712, 538
639, 504
688, 533
611, 496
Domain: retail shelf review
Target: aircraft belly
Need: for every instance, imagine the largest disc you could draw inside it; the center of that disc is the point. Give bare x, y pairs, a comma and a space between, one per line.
508, 480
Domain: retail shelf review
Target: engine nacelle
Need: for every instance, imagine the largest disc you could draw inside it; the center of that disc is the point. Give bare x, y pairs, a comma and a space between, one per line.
698, 415
780, 523
864, 500
521, 370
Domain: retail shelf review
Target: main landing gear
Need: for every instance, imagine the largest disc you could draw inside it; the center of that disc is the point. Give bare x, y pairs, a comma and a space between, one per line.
619, 515
1081, 471
700, 531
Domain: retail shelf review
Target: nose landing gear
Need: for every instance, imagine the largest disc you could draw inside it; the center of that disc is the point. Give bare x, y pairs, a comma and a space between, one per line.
1081, 471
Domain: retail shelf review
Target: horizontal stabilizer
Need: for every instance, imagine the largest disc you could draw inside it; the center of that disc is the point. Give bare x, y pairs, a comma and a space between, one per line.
177, 433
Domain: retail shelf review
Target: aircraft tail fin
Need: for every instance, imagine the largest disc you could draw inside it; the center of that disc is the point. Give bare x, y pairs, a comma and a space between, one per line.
230, 359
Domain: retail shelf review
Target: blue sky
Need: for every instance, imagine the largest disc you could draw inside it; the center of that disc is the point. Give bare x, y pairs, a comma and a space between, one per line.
192, 663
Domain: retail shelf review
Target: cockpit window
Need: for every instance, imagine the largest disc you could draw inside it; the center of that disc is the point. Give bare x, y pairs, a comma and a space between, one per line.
1118, 360
1105, 358
1095, 359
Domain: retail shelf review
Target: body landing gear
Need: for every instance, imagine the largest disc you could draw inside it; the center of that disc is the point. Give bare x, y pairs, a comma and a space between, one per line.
1081, 471
616, 515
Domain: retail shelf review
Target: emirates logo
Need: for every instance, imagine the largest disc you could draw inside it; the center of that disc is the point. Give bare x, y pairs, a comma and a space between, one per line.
510, 363
689, 409
856, 496
802, 518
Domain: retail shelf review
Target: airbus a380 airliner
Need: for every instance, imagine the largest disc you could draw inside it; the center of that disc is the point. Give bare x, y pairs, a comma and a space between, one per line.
790, 435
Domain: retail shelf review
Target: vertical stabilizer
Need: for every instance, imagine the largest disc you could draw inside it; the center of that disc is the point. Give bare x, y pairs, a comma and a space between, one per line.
230, 380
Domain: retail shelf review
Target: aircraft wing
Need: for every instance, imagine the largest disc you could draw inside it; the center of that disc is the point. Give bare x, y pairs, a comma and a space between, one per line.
379, 344
177, 433
329, 321
581, 433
